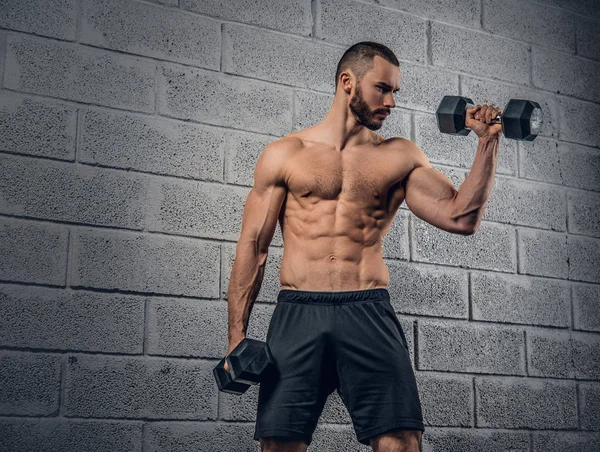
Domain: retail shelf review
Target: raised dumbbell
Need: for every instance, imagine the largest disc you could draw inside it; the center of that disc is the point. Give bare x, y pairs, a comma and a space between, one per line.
249, 362
521, 119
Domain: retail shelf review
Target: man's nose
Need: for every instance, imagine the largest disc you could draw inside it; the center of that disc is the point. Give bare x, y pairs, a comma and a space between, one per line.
388, 100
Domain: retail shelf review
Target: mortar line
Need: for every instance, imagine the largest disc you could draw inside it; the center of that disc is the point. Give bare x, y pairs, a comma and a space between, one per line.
69, 259
474, 416
315, 9
525, 349
78, 21
146, 321
3, 57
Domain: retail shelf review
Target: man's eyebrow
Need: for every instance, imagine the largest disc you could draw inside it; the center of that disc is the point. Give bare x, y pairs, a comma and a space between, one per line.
388, 86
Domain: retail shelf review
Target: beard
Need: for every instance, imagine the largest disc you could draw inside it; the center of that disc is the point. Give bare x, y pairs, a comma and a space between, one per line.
363, 113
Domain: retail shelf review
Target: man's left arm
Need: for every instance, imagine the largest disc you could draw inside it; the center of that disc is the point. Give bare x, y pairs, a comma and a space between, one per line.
431, 196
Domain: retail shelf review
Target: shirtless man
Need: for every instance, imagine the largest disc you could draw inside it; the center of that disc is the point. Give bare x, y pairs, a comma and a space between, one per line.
335, 188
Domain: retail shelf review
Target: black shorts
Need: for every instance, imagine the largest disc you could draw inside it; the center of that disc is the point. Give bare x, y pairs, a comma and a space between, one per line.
351, 342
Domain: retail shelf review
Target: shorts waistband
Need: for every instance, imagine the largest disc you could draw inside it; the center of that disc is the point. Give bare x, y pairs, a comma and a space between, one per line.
311, 297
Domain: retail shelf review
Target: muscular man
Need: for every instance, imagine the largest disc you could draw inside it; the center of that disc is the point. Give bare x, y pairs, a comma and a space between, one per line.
335, 188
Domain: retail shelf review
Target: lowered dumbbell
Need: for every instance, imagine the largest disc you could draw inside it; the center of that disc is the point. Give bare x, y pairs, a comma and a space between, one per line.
521, 119
249, 362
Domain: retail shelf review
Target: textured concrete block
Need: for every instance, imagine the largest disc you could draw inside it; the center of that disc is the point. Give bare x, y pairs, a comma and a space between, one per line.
36, 127
428, 290
395, 242
423, 87
530, 22
492, 247
349, 22
283, 59
145, 263
310, 108
238, 408
525, 403
29, 384
57, 20
472, 348
580, 166
550, 354
70, 434
33, 252
586, 307
166, 2
584, 259
464, 12
154, 31
71, 320
458, 150
520, 299
335, 411
270, 286
564, 74
541, 160
70, 192
118, 387
242, 152
496, 93
588, 36
291, 16
566, 442
586, 355
451, 48
583, 212
527, 203
196, 208
543, 253
578, 121
446, 400
79, 73
444, 440
152, 145
205, 436
589, 406
220, 99
587, 8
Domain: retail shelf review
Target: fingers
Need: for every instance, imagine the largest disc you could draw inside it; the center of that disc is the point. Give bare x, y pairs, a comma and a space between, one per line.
484, 113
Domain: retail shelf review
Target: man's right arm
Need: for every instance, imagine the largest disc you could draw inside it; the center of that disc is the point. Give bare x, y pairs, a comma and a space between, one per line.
259, 221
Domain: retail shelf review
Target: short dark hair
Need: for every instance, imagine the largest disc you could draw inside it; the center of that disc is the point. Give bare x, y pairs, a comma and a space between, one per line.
359, 58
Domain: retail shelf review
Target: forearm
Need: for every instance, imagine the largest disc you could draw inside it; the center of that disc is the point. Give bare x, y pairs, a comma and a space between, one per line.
472, 197
245, 282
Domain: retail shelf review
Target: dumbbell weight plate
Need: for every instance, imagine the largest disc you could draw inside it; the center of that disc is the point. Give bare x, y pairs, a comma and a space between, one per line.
451, 115
522, 120
250, 361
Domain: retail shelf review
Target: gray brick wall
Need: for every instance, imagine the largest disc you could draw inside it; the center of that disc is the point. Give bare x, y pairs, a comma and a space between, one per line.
129, 130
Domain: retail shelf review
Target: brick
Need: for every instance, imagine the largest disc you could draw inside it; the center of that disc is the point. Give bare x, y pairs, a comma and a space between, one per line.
34, 253
586, 355
152, 388
458, 150
578, 121
270, 286
292, 17
71, 320
70, 192
467, 440
154, 31
580, 166
34, 16
427, 290
492, 247
239, 408
279, 58
195, 208
525, 203
549, 354
205, 436
446, 400
497, 93
451, 48
566, 442
145, 263
224, 100
587, 8
586, 307
589, 406
543, 253
71, 434
588, 36
530, 22
166, 2
520, 299
423, 87
310, 108
29, 384
465, 13
338, 21
472, 348
565, 74
395, 242
152, 145
35, 127
525, 403
242, 152
541, 160
79, 73
583, 212
584, 259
